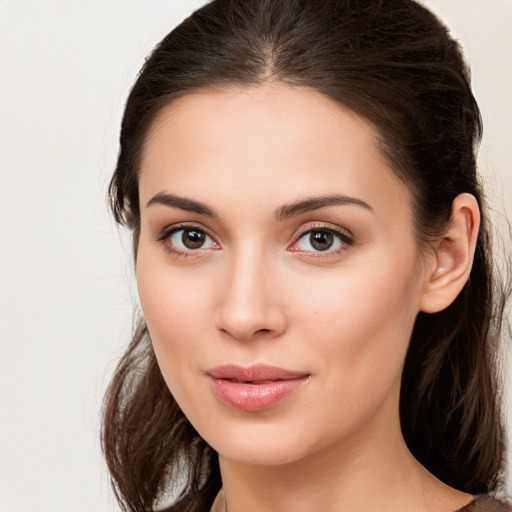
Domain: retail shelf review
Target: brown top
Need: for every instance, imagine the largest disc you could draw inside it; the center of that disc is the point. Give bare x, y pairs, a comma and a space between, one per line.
479, 504
487, 504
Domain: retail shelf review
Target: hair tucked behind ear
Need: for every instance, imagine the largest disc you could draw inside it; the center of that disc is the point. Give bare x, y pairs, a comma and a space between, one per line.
395, 64
450, 400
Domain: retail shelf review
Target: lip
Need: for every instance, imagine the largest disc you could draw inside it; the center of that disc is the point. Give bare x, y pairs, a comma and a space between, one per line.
254, 388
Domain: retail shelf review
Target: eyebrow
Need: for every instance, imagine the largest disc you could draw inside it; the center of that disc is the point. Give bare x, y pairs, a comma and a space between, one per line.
183, 203
283, 213
315, 203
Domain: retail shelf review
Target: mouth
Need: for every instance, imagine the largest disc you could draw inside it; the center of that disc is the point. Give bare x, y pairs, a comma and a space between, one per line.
255, 382
255, 388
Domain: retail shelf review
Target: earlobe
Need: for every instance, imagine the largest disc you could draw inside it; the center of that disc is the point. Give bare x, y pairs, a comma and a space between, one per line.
452, 258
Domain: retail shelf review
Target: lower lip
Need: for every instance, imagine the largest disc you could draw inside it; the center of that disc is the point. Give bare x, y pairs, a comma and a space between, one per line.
254, 397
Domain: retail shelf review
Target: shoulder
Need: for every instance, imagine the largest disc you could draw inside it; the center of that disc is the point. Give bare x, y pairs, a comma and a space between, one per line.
487, 504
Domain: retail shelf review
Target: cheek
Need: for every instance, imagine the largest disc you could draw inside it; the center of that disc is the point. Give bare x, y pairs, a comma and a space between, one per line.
174, 317
168, 296
170, 308
363, 322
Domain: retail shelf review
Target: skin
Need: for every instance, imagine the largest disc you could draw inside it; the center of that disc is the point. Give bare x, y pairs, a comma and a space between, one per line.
257, 291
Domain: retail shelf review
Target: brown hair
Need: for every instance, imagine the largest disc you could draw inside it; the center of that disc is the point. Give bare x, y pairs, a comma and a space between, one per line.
395, 64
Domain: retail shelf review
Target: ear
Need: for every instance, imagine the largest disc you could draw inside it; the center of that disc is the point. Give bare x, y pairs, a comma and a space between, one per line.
450, 265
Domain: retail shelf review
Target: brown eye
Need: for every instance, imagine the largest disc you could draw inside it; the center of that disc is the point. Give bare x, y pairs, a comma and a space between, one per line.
188, 239
193, 239
321, 240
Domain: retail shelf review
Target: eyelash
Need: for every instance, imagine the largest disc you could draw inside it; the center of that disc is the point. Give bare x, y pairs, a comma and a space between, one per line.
168, 232
343, 237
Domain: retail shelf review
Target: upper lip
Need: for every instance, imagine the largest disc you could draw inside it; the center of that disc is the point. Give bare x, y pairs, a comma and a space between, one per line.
258, 372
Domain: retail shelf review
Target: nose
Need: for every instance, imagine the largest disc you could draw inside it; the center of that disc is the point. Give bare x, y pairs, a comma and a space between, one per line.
250, 304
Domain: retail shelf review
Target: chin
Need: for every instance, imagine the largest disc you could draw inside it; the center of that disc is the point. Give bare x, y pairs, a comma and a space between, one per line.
261, 455
260, 445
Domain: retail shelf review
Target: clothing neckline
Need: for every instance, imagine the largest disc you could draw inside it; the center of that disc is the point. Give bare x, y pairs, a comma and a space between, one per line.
218, 504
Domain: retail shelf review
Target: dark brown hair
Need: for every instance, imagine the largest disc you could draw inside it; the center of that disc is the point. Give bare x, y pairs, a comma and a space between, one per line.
396, 65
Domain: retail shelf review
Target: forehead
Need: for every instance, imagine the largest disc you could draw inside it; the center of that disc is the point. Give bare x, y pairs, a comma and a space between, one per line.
274, 140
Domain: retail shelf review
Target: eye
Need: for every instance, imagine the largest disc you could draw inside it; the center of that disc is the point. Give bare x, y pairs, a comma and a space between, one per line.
322, 240
187, 239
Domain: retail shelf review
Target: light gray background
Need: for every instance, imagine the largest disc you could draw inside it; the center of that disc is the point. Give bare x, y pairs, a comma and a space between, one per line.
66, 290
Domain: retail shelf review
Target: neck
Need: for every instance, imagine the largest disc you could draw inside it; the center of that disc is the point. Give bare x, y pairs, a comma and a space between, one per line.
370, 471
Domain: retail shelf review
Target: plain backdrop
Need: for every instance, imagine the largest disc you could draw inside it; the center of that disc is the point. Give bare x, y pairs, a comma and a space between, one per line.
66, 287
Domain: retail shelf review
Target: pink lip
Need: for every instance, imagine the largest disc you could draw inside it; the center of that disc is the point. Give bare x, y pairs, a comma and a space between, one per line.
254, 388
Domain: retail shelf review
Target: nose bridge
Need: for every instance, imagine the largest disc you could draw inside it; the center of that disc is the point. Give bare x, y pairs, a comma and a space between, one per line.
248, 305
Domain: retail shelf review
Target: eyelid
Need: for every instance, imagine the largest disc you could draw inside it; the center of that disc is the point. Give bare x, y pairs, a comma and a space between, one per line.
171, 229
327, 226
346, 237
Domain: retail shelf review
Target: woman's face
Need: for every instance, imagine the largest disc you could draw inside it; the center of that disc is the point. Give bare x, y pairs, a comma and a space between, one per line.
278, 271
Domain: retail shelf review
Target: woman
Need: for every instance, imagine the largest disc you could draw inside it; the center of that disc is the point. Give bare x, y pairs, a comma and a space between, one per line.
313, 263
